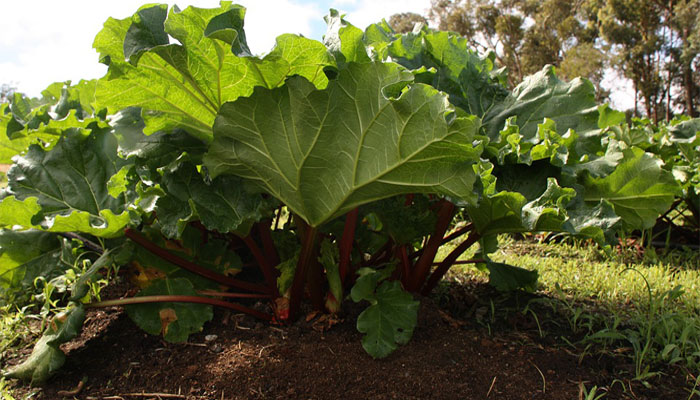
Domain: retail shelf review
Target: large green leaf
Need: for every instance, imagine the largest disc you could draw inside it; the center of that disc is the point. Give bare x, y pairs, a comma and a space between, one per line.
69, 183
367, 282
596, 221
452, 66
389, 320
46, 357
524, 199
325, 152
344, 40
28, 113
9, 148
222, 205
639, 189
547, 145
175, 321
571, 105
151, 153
156, 150
686, 133
26, 255
684, 140
63, 108
184, 85
18, 213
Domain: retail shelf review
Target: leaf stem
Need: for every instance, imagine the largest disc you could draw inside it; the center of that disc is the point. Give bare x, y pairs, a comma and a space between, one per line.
86, 242
448, 262
267, 269
422, 266
180, 299
379, 256
309, 250
234, 295
462, 262
454, 235
405, 264
265, 234
192, 267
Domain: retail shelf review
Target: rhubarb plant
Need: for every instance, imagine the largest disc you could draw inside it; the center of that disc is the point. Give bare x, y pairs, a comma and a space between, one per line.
319, 171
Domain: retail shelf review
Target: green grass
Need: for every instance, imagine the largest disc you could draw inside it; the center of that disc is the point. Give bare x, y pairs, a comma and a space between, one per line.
17, 330
5, 392
648, 309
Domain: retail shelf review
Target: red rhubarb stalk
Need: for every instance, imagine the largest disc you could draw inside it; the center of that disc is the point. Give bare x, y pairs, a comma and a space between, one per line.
192, 267
307, 257
234, 295
265, 234
452, 236
180, 299
269, 271
449, 261
422, 266
315, 282
405, 264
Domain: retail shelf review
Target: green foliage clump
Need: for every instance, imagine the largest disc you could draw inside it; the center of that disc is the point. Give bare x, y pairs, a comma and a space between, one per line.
196, 165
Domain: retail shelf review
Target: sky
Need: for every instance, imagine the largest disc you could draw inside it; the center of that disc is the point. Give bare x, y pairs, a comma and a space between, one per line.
46, 41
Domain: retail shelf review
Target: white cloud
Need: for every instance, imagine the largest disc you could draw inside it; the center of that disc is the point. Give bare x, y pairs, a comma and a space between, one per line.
48, 41
265, 20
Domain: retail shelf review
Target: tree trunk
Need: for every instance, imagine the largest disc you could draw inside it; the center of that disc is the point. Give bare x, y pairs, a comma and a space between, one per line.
649, 109
636, 99
690, 91
668, 97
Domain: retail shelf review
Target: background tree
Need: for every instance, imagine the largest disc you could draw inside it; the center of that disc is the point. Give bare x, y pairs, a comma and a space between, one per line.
634, 28
404, 22
586, 60
654, 46
525, 35
654, 43
6, 92
684, 20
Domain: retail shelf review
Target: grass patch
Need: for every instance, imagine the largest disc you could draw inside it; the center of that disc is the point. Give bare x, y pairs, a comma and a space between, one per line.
18, 330
647, 309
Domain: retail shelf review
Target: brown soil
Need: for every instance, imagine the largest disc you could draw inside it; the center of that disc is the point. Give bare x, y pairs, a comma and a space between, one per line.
448, 358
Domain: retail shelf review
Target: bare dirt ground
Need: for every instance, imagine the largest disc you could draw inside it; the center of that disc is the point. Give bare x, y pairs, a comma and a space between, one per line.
451, 356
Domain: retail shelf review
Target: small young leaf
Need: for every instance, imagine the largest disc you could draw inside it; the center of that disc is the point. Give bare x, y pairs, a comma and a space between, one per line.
82, 285
366, 284
389, 321
26, 255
